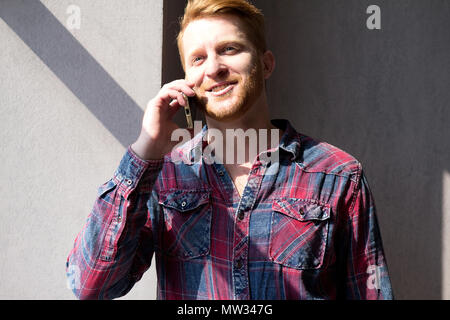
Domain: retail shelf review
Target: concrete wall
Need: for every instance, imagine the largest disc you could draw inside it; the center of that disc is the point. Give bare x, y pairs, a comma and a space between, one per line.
382, 95
72, 100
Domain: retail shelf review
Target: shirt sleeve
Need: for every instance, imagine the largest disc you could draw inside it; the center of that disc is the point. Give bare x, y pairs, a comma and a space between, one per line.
115, 246
367, 275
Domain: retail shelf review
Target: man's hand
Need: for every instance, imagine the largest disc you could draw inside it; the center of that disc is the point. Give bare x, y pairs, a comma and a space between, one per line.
157, 126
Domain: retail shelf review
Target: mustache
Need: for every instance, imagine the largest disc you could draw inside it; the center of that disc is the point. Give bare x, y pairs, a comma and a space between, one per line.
205, 86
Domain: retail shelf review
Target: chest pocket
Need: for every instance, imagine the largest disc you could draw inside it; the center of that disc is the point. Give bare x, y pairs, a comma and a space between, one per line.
187, 223
299, 232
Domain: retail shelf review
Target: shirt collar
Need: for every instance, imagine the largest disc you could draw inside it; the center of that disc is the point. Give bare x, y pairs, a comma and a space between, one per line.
290, 141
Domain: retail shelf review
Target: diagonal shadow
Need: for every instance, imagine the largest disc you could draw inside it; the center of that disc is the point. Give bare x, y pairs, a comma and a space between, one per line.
74, 66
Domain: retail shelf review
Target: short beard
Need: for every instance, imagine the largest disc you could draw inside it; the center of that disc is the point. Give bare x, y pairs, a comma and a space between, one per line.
249, 94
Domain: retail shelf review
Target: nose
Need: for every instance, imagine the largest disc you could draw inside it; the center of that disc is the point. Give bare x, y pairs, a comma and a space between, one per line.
215, 67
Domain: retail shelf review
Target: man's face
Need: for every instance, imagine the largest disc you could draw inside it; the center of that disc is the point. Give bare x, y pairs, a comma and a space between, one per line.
224, 66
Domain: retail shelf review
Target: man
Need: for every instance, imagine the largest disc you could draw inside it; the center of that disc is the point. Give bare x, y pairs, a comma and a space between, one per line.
295, 222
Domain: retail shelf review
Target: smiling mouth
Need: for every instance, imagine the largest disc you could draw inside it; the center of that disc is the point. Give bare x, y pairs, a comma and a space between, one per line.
222, 89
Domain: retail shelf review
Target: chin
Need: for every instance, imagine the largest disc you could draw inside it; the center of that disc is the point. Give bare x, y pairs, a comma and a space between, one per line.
237, 103
227, 113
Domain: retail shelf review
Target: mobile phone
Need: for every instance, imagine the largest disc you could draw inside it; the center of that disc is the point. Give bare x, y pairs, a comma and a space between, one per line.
188, 112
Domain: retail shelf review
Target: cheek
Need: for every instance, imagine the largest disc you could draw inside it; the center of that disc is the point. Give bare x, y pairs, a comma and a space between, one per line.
194, 76
241, 64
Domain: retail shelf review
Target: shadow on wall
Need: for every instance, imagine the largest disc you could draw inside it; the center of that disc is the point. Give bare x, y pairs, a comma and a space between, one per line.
382, 95
74, 66
379, 94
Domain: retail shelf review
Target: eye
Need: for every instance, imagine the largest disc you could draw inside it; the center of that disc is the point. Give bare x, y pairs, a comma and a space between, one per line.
229, 49
197, 60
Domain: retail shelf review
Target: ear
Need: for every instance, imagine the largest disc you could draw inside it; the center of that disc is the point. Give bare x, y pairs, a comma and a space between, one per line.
268, 60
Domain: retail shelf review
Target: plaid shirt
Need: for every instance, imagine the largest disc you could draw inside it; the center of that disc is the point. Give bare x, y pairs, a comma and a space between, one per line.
304, 228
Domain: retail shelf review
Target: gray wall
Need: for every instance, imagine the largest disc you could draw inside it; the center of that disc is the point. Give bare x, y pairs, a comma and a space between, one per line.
382, 95
72, 100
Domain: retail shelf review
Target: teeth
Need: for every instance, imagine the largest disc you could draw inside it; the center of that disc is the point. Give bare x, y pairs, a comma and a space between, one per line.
219, 88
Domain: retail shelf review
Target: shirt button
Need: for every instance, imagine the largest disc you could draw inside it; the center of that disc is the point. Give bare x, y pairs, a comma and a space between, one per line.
183, 204
128, 181
241, 215
221, 173
238, 264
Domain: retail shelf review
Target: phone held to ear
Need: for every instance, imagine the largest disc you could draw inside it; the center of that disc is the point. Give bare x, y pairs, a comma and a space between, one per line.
187, 111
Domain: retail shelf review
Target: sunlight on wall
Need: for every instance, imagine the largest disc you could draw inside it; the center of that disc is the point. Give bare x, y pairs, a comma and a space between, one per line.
446, 235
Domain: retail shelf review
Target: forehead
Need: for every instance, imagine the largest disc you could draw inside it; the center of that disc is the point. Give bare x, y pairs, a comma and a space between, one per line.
211, 30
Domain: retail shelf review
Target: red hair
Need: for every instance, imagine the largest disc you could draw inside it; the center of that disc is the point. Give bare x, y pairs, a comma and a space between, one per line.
251, 16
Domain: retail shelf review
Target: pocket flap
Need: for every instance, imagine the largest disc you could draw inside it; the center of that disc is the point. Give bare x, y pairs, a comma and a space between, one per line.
301, 209
184, 200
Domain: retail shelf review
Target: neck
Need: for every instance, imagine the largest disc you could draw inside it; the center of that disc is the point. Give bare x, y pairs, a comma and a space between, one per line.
251, 124
257, 117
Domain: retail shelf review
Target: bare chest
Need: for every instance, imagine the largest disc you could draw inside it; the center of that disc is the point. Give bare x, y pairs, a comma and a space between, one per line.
239, 175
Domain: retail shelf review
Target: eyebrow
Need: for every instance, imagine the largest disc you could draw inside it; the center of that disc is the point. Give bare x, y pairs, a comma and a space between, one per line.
239, 42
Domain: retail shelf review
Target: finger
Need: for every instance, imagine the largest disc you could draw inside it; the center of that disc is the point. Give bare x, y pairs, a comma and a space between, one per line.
174, 103
189, 83
168, 95
181, 85
180, 98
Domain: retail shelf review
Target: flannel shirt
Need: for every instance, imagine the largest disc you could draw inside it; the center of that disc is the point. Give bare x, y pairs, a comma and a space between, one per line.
304, 228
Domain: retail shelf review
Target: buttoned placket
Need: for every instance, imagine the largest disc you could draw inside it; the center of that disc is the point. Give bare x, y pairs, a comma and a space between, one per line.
241, 234
240, 255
